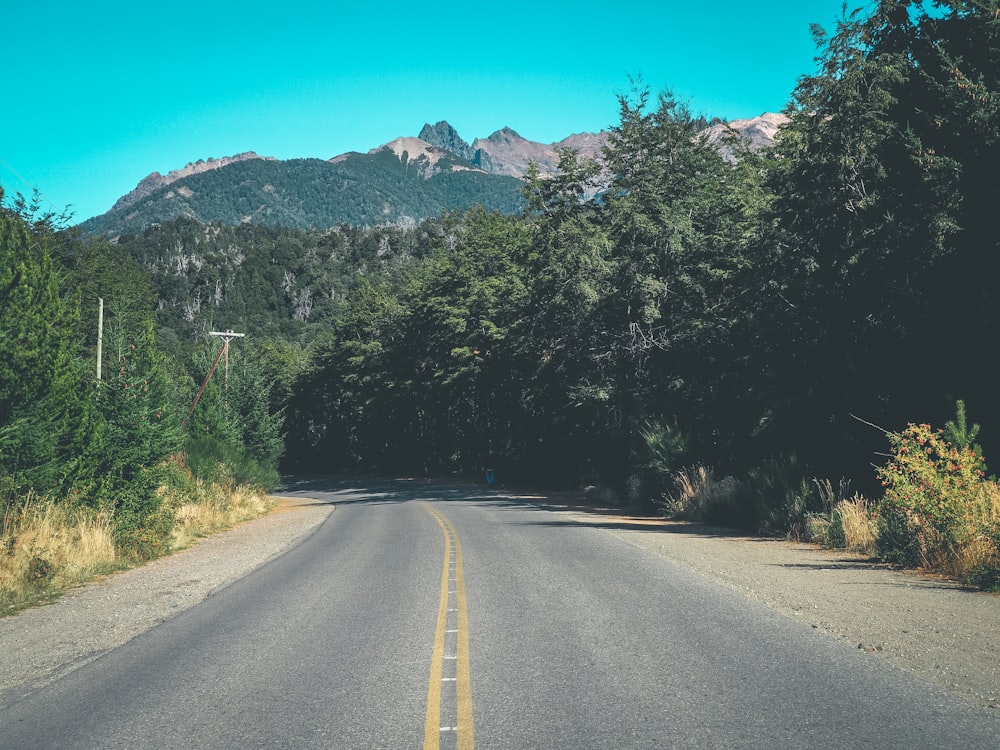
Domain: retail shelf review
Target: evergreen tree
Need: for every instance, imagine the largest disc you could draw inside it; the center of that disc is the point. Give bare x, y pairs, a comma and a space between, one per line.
141, 430
45, 418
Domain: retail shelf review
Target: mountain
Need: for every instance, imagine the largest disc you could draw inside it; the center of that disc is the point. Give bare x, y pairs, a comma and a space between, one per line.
507, 153
153, 182
756, 133
401, 182
445, 136
427, 159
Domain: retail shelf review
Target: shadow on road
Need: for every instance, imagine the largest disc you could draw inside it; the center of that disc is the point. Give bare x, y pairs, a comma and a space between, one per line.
372, 490
560, 510
339, 490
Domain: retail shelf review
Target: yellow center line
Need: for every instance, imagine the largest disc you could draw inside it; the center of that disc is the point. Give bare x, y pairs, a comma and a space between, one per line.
463, 683
464, 737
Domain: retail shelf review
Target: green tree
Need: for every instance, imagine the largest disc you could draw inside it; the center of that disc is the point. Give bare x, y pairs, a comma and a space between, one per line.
45, 417
258, 426
142, 429
877, 275
452, 359
566, 410
679, 218
337, 417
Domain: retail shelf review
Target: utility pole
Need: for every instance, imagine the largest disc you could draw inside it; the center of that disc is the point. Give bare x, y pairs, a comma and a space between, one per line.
100, 335
227, 337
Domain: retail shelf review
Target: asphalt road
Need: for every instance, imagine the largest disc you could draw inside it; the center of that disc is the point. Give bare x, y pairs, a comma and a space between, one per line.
421, 616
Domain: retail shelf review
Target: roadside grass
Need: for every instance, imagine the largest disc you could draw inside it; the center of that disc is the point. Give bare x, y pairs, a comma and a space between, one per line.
47, 547
205, 508
850, 524
700, 496
966, 549
975, 558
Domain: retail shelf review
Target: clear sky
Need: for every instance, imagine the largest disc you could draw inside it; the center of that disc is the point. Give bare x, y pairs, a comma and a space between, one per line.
96, 95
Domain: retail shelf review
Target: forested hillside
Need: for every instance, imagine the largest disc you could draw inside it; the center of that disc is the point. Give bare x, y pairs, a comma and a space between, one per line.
275, 282
358, 189
778, 317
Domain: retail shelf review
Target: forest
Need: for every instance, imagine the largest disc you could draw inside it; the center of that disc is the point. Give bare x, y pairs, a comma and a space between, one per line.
762, 341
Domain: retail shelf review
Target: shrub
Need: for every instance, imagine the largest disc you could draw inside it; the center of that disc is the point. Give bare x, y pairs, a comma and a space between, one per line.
898, 540
665, 445
930, 488
661, 451
216, 459
819, 529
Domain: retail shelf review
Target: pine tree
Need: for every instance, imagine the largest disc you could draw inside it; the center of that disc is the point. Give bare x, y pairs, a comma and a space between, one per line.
45, 417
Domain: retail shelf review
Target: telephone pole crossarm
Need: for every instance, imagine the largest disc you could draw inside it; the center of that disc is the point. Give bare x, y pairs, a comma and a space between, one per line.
227, 336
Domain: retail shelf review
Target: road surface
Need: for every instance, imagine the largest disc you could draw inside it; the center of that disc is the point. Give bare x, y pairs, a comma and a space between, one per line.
435, 616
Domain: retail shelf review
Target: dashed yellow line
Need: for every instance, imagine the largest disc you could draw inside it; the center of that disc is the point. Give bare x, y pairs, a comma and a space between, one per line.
463, 729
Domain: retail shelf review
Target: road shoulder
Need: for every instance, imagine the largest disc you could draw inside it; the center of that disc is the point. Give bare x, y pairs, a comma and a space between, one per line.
928, 626
39, 645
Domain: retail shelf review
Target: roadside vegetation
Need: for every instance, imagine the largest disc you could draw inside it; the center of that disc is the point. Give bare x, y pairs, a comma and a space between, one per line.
104, 469
711, 335
938, 512
47, 547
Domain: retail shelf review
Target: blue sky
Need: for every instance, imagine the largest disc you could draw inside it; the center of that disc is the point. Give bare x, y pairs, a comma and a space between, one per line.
97, 95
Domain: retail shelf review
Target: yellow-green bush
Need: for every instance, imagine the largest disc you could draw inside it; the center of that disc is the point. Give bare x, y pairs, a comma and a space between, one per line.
938, 509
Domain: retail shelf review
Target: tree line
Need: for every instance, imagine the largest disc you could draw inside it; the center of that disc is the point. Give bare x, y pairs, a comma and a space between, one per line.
111, 441
748, 309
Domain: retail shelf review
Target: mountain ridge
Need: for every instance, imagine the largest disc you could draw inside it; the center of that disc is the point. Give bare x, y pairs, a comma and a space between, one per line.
154, 181
407, 179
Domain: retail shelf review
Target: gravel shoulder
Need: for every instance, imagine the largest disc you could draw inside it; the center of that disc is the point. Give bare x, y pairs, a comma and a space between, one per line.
926, 626
39, 645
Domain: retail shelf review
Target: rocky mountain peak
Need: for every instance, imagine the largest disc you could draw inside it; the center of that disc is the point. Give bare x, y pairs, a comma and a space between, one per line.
443, 135
756, 132
428, 158
505, 135
505, 152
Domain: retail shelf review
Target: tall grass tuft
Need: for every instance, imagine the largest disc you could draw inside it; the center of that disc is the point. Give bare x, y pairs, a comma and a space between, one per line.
858, 524
976, 561
699, 496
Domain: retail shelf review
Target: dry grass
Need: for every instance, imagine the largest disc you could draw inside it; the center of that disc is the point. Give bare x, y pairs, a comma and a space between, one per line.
851, 524
976, 549
858, 524
204, 509
46, 548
